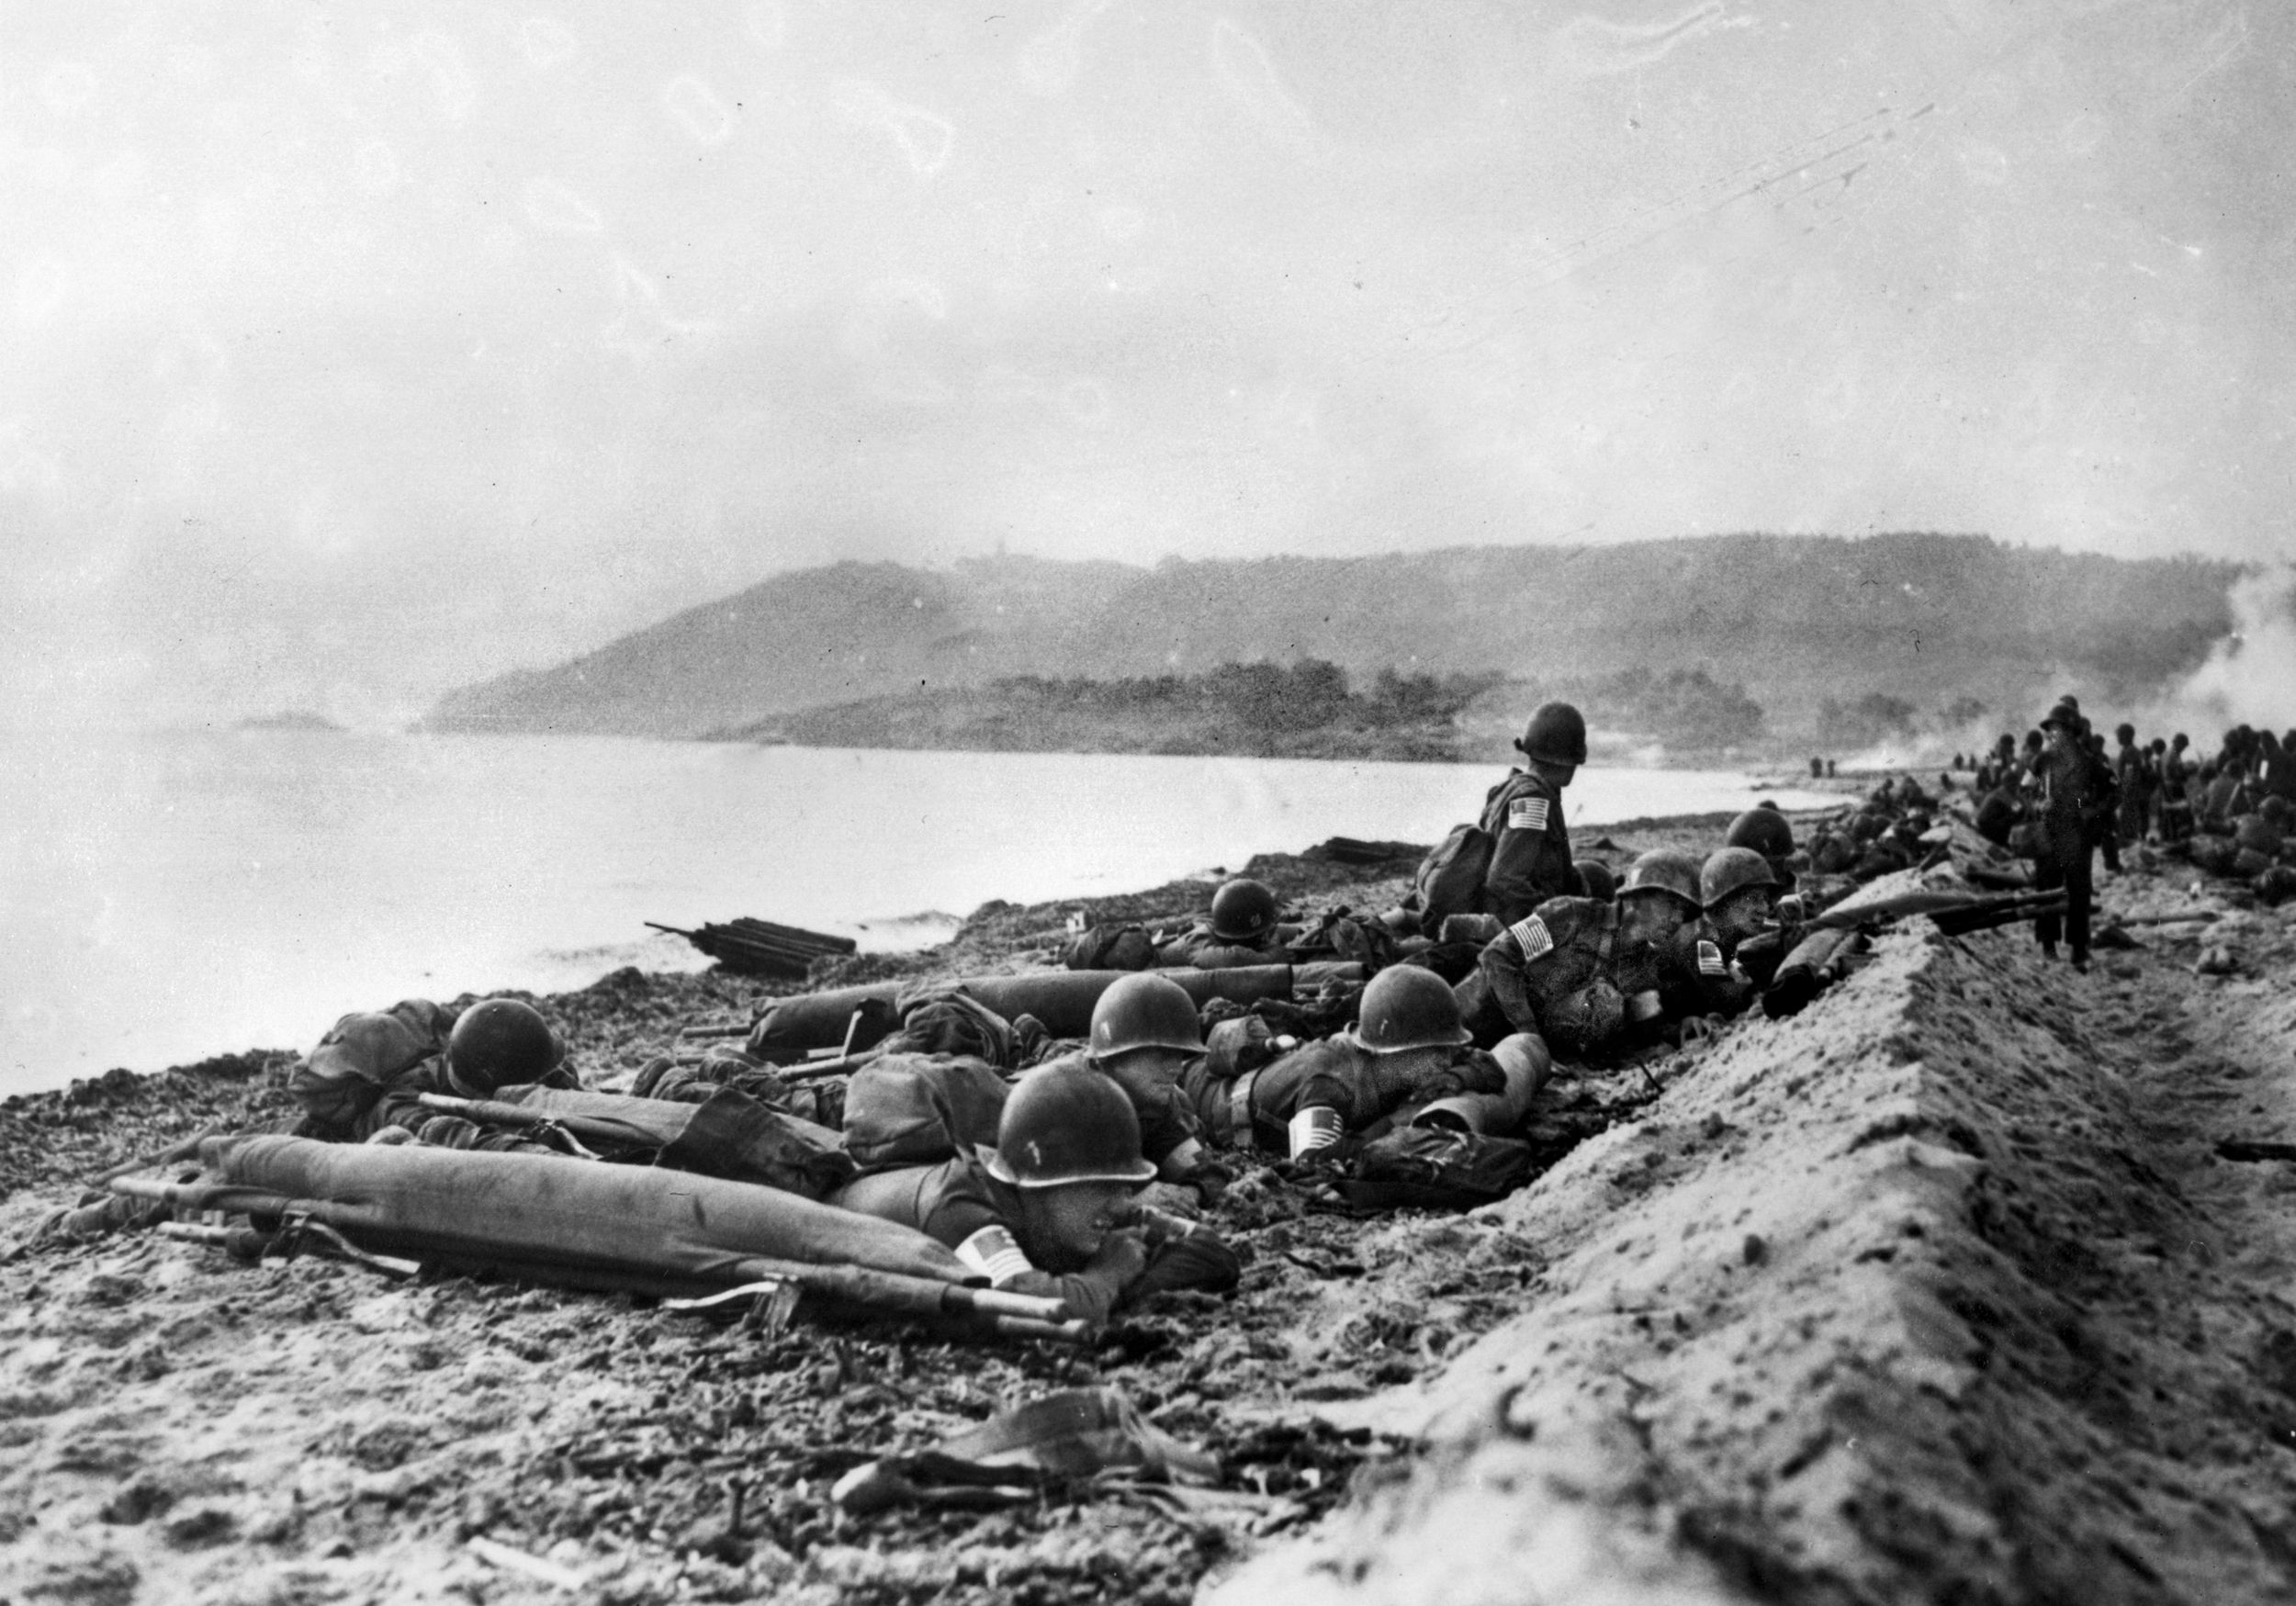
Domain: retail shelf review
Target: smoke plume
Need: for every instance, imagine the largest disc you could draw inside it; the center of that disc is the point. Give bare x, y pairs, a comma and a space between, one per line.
2250, 676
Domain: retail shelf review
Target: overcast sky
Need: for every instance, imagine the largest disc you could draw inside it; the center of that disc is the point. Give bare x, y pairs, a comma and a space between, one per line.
352, 351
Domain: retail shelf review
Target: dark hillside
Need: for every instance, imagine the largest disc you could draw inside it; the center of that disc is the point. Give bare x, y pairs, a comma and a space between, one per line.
1799, 621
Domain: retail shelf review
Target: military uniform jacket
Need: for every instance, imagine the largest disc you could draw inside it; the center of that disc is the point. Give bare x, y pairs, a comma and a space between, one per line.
950, 1201
372, 1069
1538, 965
1696, 977
1334, 1074
2132, 771
2076, 791
1206, 951
1259, 1103
1530, 855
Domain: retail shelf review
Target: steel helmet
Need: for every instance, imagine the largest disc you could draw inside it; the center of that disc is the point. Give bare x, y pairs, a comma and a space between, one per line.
1406, 1008
2068, 715
1595, 879
1762, 829
1730, 870
1663, 871
1068, 1123
1556, 735
2124, 731
1145, 1010
500, 1044
1242, 911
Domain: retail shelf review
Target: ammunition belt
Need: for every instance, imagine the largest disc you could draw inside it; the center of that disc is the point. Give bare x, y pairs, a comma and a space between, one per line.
1236, 1131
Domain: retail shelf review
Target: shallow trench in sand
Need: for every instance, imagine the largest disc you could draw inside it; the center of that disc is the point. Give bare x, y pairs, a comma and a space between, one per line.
1938, 1292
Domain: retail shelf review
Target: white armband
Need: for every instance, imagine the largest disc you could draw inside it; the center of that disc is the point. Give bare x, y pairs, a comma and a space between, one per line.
993, 1252
1318, 1127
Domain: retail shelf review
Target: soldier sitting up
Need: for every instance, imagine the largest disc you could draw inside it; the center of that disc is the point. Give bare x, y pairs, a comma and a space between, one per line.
1530, 855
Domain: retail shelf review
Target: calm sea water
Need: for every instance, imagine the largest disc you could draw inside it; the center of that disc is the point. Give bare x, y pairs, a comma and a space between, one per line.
172, 895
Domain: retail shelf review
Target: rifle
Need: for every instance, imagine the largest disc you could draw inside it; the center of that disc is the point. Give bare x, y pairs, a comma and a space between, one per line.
1940, 906
719, 1029
577, 1131
1832, 943
332, 1225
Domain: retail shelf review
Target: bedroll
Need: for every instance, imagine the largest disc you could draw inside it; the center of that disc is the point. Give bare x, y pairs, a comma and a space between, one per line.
638, 1222
1062, 1000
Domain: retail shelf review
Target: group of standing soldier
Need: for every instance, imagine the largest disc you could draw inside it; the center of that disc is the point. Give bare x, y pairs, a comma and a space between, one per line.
2063, 799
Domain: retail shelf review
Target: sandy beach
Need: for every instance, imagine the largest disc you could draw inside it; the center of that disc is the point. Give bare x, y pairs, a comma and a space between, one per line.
1937, 1291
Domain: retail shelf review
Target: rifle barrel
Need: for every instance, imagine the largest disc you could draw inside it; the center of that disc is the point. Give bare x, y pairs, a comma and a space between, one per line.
494, 1112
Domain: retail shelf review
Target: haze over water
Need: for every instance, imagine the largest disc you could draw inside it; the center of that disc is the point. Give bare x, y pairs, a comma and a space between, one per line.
175, 896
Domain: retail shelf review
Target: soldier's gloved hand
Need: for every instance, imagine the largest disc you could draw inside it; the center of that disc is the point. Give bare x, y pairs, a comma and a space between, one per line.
1474, 1070
1092, 1292
1211, 1181
1080, 1296
1123, 1256
1697, 1028
1761, 944
1197, 1260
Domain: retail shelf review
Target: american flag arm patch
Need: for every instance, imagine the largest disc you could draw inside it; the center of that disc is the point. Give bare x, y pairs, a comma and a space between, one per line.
1531, 935
994, 1253
1710, 960
1527, 813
